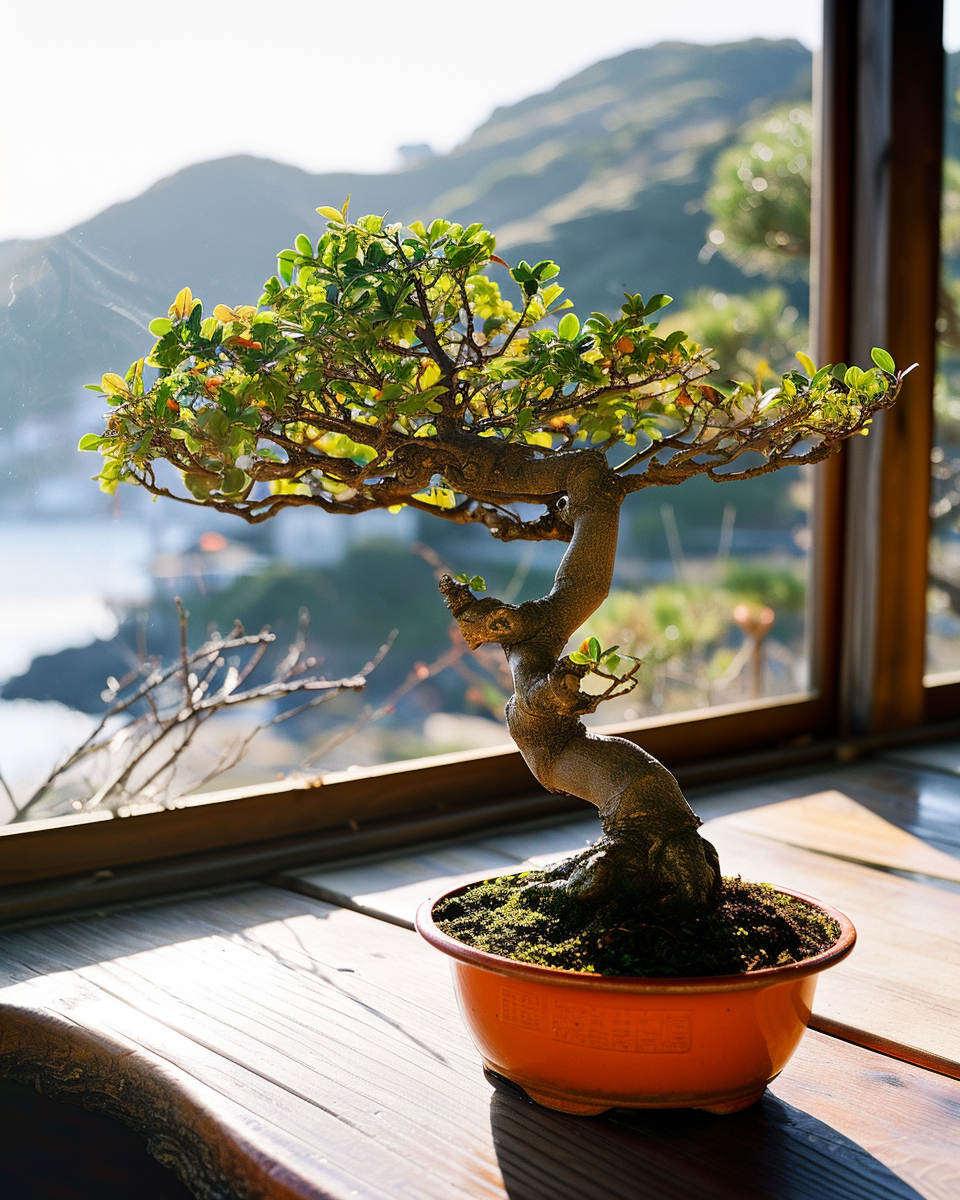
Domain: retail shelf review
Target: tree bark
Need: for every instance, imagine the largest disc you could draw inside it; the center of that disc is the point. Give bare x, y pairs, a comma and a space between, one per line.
650, 851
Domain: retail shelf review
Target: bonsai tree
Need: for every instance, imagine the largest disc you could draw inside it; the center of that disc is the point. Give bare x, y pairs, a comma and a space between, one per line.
383, 366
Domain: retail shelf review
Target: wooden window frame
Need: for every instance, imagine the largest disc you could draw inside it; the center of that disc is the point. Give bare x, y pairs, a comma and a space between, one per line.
878, 90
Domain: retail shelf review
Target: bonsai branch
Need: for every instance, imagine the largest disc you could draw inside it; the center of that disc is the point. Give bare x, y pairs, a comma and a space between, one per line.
651, 853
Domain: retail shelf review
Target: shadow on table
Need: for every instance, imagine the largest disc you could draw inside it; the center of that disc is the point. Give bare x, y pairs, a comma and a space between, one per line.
771, 1151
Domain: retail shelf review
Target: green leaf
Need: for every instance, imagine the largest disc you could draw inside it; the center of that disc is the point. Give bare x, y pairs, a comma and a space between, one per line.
611, 661
332, 214
215, 424
477, 583
594, 648
160, 325
304, 245
89, 441
883, 360
197, 485
234, 480
285, 264
581, 659
569, 327
807, 363
655, 303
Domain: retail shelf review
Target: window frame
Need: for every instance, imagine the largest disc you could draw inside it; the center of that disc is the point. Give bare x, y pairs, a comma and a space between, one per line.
878, 81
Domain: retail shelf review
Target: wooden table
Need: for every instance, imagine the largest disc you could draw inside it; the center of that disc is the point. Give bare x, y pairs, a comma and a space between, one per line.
272, 1043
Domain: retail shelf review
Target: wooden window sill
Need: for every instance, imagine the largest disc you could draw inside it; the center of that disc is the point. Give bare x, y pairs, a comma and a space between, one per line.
270, 1043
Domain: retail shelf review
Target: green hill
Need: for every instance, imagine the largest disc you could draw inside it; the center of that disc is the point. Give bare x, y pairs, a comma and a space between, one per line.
603, 173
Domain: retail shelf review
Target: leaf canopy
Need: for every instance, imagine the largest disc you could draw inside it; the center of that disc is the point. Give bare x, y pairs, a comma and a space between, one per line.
374, 342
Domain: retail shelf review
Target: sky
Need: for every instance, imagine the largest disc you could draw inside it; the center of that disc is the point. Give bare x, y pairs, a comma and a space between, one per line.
100, 99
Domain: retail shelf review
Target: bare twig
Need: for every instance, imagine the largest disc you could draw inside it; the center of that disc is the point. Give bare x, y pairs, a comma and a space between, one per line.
139, 745
10, 797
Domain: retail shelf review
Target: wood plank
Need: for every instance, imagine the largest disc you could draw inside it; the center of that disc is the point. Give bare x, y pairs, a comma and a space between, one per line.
276, 1047
924, 802
393, 887
832, 823
900, 987
468, 782
939, 756
892, 805
545, 845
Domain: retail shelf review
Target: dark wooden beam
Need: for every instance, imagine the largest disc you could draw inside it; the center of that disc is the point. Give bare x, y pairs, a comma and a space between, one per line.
394, 796
883, 97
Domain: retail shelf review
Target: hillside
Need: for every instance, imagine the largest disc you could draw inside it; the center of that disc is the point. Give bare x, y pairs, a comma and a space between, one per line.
604, 173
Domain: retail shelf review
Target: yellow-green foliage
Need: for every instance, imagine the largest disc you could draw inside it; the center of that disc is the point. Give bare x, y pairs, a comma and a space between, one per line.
374, 335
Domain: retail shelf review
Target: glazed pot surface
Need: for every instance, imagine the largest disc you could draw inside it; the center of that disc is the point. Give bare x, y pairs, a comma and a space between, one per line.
584, 1043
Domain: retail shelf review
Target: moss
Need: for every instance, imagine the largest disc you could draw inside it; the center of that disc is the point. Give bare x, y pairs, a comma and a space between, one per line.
521, 917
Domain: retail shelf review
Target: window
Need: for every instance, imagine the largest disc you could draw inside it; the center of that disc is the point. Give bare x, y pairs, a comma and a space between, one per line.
843, 650
943, 599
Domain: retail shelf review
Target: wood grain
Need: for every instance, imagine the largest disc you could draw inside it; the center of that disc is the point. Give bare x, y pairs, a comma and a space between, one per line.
832, 823
880, 825
902, 982
925, 803
899, 991
940, 756
540, 847
392, 887
369, 798
276, 1047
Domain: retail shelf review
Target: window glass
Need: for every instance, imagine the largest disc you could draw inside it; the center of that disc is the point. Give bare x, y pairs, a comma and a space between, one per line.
943, 595
654, 152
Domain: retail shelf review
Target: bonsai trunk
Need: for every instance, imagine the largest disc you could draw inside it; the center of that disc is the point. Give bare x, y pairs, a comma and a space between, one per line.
650, 851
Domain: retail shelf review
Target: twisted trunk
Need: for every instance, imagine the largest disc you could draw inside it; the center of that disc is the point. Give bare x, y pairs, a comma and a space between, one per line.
651, 851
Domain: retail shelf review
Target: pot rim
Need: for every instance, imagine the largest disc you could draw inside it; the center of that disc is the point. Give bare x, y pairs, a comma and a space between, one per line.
765, 977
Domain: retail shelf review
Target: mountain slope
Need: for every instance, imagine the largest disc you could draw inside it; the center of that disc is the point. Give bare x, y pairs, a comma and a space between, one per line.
604, 173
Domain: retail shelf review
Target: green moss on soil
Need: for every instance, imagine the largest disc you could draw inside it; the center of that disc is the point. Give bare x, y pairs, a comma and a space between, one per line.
752, 926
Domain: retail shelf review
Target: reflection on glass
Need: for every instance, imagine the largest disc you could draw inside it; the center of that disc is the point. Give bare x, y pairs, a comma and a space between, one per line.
677, 167
943, 595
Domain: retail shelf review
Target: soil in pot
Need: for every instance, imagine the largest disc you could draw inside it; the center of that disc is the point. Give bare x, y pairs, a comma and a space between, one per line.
751, 926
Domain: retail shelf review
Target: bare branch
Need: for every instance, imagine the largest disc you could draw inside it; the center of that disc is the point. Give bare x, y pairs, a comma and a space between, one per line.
139, 761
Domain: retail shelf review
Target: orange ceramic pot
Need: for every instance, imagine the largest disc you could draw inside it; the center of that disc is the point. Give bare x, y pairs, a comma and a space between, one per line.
584, 1043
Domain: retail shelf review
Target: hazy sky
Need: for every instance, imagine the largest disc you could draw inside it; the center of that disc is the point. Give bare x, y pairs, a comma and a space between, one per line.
101, 98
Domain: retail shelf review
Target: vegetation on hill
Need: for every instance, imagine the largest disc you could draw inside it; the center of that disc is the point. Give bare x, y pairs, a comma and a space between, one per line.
605, 172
